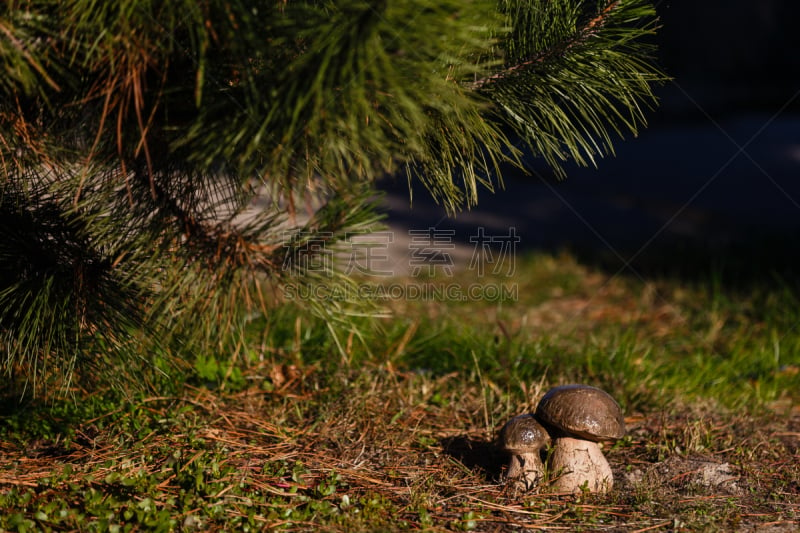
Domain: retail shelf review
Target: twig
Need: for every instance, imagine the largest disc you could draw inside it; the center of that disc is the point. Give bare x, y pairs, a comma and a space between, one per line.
656, 526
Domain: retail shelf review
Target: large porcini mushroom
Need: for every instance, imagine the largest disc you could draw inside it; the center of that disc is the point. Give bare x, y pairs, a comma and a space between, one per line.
578, 417
524, 438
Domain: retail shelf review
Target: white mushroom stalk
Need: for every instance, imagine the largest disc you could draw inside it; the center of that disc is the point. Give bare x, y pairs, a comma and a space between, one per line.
577, 465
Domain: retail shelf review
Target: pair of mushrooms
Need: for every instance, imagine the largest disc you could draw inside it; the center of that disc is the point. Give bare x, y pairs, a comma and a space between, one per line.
576, 418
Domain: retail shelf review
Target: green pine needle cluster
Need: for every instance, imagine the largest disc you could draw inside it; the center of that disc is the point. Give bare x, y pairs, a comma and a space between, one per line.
137, 136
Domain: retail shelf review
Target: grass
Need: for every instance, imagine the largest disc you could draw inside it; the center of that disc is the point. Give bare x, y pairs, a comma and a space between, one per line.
396, 430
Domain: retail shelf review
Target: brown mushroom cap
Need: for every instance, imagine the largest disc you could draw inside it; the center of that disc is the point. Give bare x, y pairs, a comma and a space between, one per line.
523, 434
582, 411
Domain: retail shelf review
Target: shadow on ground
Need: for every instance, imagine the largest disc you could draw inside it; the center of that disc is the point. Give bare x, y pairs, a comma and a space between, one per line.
476, 453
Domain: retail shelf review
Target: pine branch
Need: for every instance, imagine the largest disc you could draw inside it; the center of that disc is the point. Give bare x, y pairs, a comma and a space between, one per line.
588, 30
575, 83
133, 136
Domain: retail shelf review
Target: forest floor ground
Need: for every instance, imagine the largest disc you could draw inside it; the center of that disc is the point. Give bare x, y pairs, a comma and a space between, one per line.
394, 428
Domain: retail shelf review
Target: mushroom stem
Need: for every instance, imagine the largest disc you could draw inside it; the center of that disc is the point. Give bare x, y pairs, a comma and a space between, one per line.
523, 438
526, 469
579, 463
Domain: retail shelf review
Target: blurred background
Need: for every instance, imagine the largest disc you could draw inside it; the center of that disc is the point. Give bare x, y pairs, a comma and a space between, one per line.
713, 182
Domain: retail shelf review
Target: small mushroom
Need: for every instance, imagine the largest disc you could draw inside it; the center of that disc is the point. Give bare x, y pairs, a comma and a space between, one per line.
524, 438
578, 417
